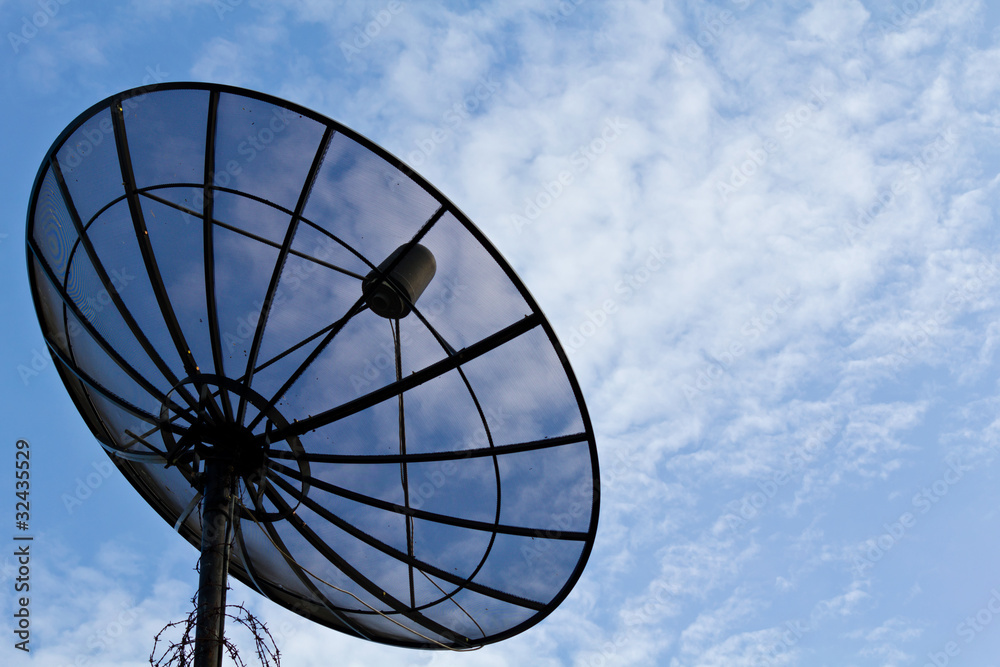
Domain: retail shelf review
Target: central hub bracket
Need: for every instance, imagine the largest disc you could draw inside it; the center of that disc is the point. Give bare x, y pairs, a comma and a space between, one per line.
228, 443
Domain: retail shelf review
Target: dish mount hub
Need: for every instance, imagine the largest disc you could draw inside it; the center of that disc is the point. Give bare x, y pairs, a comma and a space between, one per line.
264, 352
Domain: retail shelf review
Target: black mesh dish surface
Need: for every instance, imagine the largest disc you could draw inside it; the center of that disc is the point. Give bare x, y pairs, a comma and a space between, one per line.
199, 257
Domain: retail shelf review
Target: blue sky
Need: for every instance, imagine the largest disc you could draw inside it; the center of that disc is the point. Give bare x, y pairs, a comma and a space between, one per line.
763, 231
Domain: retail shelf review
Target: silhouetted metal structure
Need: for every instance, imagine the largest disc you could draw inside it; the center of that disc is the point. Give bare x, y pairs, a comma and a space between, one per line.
258, 311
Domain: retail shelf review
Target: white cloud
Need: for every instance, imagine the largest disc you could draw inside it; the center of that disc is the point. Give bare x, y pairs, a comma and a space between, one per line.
104, 611
835, 22
810, 116
225, 61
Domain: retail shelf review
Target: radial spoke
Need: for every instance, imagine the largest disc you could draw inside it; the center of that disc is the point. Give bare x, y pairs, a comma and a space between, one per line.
356, 549
279, 265
484, 526
146, 250
108, 285
151, 190
433, 457
85, 323
414, 379
358, 306
355, 575
464, 582
83, 377
208, 244
272, 534
334, 330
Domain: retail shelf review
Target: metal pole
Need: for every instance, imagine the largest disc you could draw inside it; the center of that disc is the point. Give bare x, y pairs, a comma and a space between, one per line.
214, 561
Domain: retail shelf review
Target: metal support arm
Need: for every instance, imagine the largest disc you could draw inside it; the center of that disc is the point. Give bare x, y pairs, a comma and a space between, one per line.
216, 542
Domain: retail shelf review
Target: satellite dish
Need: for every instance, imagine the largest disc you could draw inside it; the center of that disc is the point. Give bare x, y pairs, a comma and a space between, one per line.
260, 313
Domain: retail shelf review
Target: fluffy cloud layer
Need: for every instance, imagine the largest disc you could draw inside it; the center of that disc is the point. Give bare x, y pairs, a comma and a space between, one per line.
764, 234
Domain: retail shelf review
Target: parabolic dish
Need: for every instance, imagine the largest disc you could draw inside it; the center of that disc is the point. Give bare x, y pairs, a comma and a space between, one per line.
202, 260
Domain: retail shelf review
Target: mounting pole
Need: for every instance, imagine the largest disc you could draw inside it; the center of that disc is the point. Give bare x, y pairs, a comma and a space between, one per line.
217, 516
